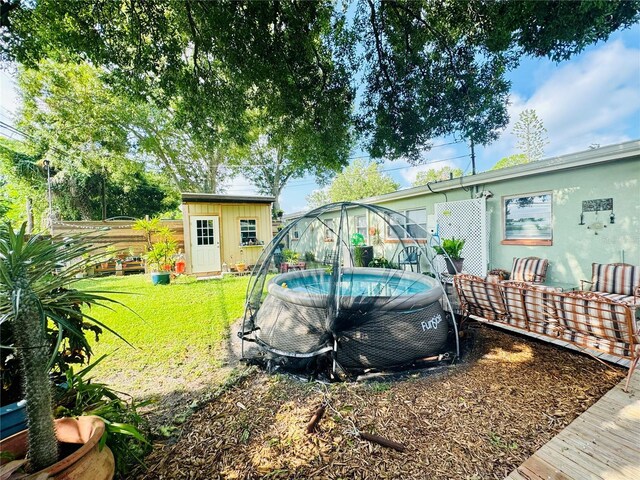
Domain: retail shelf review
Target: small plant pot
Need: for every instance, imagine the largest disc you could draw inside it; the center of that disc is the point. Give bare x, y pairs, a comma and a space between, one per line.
241, 267
89, 462
13, 418
453, 266
161, 278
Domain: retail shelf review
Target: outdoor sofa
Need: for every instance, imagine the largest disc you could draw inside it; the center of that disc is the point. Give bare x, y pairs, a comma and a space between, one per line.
584, 319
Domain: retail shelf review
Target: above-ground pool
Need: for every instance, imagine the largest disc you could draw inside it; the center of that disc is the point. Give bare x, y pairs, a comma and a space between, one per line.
372, 317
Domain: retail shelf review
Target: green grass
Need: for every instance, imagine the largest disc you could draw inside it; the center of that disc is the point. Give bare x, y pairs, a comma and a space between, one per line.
175, 334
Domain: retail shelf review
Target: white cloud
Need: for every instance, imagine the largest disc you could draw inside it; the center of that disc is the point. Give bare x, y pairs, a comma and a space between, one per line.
593, 99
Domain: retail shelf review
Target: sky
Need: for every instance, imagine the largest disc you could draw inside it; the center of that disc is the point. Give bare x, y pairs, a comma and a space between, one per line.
593, 99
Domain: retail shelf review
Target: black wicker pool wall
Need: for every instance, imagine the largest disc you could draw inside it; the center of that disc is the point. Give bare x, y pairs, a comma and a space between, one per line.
367, 338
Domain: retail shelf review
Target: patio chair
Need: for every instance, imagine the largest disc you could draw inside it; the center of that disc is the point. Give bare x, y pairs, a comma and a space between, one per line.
410, 256
619, 282
529, 269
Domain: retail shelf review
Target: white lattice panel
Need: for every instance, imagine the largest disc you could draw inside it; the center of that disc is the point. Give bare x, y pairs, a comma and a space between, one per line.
465, 219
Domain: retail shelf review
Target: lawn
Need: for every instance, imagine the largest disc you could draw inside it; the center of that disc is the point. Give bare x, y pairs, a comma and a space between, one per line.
175, 332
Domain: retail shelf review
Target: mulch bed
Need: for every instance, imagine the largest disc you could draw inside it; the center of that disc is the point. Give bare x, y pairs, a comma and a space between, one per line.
475, 420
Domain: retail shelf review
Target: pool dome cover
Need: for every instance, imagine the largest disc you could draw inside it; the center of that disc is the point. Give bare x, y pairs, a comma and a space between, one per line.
348, 288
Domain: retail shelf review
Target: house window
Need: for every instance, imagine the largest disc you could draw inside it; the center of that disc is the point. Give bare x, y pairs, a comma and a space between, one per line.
412, 224
204, 232
329, 230
361, 225
527, 219
248, 232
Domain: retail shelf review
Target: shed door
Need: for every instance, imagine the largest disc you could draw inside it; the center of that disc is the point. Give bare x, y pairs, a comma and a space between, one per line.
205, 244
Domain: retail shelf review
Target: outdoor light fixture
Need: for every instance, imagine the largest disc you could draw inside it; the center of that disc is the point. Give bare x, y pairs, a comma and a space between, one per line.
612, 218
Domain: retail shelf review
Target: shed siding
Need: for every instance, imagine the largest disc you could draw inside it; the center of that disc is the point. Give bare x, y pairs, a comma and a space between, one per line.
230, 214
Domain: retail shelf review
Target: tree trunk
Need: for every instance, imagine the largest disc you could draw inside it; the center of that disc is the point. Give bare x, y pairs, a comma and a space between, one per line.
31, 339
29, 216
103, 198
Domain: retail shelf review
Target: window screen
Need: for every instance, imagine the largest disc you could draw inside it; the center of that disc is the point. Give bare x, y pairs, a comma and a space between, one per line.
204, 232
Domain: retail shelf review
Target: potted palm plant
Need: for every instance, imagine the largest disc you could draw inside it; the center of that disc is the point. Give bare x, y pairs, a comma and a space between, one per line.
451, 248
161, 257
35, 275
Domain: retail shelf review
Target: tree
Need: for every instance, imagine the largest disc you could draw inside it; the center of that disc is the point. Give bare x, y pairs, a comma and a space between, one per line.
357, 181
437, 68
78, 124
432, 175
511, 161
531, 135
430, 68
288, 149
22, 183
213, 62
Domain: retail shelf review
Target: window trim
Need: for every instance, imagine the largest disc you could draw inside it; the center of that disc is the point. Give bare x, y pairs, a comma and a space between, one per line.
526, 241
240, 220
390, 236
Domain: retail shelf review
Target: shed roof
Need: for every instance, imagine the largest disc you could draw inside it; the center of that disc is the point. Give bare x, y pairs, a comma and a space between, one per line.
188, 197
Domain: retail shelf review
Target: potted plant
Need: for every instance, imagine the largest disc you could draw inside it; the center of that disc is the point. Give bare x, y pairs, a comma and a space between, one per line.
451, 248
36, 273
362, 254
241, 266
161, 257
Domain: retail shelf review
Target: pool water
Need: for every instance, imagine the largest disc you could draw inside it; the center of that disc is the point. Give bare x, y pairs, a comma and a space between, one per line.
360, 285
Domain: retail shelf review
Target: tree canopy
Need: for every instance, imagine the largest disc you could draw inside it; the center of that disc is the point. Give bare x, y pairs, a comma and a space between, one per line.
429, 68
433, 175
78, 124
357, 181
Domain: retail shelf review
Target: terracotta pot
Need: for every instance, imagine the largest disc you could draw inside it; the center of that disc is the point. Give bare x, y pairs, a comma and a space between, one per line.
86, 463
240, 267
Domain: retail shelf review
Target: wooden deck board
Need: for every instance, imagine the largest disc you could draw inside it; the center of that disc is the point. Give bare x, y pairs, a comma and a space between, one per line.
602, 443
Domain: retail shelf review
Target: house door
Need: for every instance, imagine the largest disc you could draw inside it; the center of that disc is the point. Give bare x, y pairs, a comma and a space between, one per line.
205, 244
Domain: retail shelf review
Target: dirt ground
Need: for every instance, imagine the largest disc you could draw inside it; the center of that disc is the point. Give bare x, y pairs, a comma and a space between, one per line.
475, 420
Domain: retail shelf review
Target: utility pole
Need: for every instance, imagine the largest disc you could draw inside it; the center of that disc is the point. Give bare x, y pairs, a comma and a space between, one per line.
473, 159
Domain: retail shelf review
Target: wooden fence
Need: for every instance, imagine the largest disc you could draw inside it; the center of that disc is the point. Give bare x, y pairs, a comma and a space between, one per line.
119, 233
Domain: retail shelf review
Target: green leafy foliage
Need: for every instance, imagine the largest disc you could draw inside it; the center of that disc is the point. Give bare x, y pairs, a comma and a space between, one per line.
80, 395
451, 246
432, 175
35, 275
511, 161
358, 180
290, 255
381, 262
438, 68
162, 253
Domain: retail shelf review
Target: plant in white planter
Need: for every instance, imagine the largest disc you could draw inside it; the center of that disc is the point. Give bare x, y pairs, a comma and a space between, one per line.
35, 275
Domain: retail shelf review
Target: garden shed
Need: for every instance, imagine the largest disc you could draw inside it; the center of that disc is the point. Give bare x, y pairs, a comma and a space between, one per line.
224, 232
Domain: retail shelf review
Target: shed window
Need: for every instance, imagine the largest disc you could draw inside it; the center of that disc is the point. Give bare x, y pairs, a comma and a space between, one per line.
204, 232
248, 232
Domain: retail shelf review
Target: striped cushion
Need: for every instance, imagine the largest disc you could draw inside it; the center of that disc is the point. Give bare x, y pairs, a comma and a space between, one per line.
528, 305
619, 348
480, 298
621, 279
594, 316
530, 269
